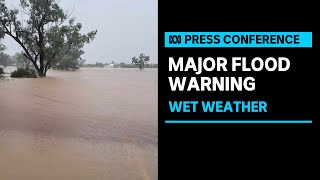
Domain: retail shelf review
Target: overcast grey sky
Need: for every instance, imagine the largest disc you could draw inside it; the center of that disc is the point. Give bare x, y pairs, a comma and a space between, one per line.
125, 28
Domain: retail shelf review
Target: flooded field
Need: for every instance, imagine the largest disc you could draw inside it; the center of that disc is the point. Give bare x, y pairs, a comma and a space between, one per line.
88, 124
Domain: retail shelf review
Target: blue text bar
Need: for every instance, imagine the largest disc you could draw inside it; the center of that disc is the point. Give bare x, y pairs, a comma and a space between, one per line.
238, 39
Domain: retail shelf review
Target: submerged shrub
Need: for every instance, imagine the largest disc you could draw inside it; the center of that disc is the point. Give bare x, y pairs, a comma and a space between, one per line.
1, 70
24, 73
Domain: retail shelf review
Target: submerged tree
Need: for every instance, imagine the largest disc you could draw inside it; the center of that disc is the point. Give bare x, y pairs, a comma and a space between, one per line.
141, 60
43, 36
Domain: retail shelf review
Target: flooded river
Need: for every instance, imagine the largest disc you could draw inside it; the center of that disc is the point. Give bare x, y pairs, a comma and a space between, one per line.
89, 124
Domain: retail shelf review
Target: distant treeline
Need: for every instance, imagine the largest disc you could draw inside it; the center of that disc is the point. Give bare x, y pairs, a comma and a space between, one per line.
121, 65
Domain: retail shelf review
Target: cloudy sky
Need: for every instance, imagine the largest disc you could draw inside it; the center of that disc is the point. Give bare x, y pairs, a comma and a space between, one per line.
125, 28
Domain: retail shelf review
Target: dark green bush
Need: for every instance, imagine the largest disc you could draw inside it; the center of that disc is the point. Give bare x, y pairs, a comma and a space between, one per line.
1, 70
24, 73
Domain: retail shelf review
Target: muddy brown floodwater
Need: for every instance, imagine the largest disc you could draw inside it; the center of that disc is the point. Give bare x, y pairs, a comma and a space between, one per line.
90, 124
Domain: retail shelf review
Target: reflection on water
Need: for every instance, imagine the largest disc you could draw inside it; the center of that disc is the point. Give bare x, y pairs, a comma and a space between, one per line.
89, 124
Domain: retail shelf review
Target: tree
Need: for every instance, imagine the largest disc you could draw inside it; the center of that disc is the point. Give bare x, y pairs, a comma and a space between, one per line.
141, 60
4, 58
71, 60
43, 36
69, 56
21, 61
99, 64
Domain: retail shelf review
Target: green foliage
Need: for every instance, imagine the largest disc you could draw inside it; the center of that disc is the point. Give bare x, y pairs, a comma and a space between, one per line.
141, 60
24, 73
99, 64
124, 65
1, 71
19, 60
43, 36
70, 52
121, 65
5, 60
67, 63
